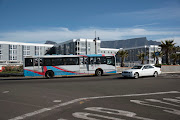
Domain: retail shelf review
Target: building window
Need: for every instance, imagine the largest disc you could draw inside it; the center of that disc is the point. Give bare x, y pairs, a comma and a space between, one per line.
0, 52
26, 50
12, 52
37, 50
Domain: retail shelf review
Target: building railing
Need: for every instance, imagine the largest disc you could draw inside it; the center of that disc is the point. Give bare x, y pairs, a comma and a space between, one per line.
5, 63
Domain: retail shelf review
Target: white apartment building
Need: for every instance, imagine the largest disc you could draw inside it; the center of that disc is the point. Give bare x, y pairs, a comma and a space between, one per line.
14, 52
150, 49
109, 50
78, 47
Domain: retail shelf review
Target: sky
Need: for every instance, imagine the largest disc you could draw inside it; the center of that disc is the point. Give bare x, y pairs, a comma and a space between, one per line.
35, 21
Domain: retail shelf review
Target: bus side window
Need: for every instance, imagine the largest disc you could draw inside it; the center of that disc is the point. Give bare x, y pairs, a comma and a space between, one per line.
103, 60
81, 61
76, 61
47, 62
28, 62
41, 62
110, 61
98, 60
86, 61
91, 59
36, 62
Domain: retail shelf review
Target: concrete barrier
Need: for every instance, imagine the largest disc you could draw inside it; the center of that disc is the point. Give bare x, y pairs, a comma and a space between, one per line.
120, 69
170, 68
164, 69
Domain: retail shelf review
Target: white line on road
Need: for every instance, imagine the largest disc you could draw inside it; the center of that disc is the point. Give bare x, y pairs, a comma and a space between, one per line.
117, 112
159, 101
86, 98
84, 115
172, 100
56, 101
166, 109
5, 92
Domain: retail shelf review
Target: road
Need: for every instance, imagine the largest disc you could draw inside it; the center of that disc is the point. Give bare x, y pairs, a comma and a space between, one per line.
109, 97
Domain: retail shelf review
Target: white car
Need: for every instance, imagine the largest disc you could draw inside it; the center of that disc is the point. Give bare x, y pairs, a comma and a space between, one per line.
142, 70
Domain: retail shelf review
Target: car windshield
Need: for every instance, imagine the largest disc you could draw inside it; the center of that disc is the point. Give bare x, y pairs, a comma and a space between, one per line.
137, 67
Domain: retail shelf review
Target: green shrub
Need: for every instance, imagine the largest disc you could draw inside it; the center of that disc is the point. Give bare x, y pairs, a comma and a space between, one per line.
13, 69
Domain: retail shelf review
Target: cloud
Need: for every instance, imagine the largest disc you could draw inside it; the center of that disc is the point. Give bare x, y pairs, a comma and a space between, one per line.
61, 34
153, 14
146, 25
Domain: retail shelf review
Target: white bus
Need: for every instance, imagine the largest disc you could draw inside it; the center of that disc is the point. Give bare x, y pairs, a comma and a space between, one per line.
59, 65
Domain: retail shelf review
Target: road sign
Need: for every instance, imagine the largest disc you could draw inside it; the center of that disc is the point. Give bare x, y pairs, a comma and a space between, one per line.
156, 53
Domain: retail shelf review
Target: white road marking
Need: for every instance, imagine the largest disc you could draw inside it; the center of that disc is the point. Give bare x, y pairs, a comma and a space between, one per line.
86, 98
57, 101
172, 100
159, 101
169, 110
5, 92
178, 97
116, 112
90, 116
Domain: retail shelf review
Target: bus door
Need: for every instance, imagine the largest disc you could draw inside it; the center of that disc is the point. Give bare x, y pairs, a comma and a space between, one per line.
29, 67
84, 67
110, 63
92, 65
37, 66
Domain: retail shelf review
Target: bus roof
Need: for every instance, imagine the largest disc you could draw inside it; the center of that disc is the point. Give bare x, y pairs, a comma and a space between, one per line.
54, 56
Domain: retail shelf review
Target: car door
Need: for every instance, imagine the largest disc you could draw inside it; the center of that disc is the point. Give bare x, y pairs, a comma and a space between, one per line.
145, 71
148, 70
151, 70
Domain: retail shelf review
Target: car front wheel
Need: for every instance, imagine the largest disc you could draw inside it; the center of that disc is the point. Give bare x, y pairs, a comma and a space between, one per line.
136, 75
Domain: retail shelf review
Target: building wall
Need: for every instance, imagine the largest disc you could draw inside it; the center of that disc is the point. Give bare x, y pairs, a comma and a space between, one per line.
5, 52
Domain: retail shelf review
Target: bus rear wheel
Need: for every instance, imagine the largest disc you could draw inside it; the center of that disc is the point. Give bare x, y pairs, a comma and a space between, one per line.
49, 74
98, 72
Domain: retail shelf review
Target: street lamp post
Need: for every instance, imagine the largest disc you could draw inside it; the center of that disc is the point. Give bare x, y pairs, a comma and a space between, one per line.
95, 45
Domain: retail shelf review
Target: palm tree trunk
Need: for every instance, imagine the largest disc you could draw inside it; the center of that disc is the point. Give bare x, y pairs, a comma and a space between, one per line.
142, 62
122, 62
167, 57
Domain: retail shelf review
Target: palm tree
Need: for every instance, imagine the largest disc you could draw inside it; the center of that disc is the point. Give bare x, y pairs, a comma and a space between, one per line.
141, 56
167, 48
175, 57
154, 55
122, 54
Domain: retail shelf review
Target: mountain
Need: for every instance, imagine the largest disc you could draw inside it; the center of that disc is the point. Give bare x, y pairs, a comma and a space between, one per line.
50, 42
134, 42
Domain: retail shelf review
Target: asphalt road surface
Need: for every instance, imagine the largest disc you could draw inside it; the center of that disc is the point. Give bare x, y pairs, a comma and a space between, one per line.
109, 97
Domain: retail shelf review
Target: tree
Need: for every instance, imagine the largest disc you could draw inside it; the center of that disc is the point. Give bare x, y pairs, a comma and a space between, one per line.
122, 54
175, 57
167, 48
154, 55
141, 57
51, 51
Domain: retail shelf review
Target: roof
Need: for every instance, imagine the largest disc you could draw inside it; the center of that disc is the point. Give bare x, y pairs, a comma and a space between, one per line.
27, 44
55, 56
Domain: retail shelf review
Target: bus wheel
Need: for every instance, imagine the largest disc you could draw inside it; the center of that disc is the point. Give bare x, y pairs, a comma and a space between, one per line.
49, 74
98, 72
